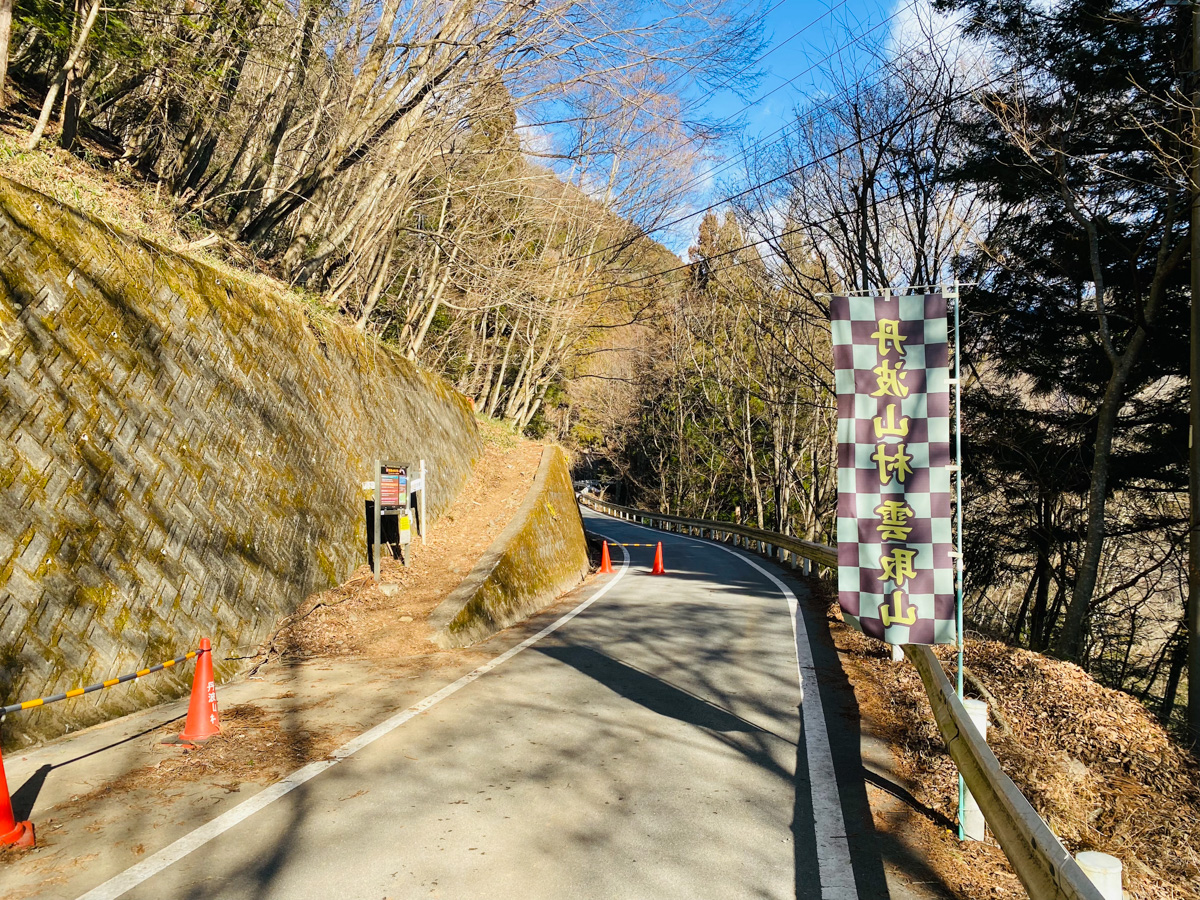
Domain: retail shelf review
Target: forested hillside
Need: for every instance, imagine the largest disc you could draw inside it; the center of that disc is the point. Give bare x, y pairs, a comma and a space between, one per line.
458, 180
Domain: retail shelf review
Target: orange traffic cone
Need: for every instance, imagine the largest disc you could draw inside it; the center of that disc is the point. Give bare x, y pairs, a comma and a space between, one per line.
12, 832
658, 566
605, 562
202, 720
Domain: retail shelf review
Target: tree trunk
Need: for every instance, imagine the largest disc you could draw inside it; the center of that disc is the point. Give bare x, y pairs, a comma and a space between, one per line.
72, 105
1070, 639
368, 306
6, 8
1018, 624
61, 78
753, 470
1174, 674
494, 402
435, 301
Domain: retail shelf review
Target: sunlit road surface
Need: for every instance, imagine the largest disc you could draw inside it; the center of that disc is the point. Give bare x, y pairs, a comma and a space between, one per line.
654, 746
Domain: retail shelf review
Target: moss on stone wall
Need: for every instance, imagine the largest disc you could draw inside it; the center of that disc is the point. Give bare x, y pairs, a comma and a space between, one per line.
182, 456
541, 554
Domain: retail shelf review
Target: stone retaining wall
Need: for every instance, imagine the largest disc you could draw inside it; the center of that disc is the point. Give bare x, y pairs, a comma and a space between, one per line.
182, 455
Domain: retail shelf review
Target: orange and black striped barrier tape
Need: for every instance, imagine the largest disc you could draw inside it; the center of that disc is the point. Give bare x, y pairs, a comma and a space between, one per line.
79, 692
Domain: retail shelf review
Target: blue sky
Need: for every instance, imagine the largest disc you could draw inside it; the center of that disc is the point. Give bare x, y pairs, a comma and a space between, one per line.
804, 39
800, 34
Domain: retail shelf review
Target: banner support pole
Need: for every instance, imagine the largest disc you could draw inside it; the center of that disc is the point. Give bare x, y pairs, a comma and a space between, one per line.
958, 589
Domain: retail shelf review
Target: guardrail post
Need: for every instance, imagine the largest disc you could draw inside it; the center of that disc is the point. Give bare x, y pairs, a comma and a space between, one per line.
973, 822
807, 567
1103, 871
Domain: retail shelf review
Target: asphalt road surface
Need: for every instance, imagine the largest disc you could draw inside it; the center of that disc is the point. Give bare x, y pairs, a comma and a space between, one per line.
668, 741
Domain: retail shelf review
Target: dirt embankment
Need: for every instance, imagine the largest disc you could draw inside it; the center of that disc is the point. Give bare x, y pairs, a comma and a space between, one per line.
358, 618
1096, 765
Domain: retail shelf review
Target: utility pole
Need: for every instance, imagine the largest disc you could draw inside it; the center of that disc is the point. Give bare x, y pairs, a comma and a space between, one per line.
1193, 598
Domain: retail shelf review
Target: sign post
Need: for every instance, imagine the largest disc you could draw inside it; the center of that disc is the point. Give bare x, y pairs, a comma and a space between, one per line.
421, 505
417, 486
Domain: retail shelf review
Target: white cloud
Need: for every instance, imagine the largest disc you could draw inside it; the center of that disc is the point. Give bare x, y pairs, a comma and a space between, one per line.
918, 29
536, 140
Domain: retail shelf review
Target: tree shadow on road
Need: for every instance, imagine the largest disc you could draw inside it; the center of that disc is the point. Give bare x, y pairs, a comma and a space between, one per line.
644, 689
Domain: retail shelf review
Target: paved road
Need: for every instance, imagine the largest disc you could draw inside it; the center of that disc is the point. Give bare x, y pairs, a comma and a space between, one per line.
657, 745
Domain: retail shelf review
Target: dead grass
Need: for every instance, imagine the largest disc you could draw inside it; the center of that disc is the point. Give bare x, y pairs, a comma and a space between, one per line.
1095, 764
254, 746
94, 181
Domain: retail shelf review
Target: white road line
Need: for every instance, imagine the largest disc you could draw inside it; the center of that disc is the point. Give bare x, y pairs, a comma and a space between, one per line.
151, 866
829, 822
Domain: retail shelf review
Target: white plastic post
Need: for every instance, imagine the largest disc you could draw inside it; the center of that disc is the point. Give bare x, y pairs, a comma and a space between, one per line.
1104, 872
897, 653
973, 823
421, 504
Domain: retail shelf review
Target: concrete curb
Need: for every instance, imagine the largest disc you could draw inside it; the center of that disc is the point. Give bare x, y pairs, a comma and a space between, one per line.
541, 554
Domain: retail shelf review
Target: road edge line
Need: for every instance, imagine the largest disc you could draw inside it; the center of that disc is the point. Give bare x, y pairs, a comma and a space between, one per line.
135, 875
833, 846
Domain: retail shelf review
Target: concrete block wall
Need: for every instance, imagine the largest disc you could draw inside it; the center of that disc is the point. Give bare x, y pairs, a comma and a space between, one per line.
181, 455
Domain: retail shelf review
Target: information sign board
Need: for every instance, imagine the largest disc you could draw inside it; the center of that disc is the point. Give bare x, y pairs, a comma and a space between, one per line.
393, 487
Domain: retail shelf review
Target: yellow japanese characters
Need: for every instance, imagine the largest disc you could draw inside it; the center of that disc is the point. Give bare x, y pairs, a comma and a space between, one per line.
897, 563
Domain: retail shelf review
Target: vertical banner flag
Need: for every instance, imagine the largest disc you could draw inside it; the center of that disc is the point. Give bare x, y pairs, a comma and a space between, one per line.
895, 571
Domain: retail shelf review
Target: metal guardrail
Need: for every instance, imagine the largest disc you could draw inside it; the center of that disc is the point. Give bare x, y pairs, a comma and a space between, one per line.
1036, 854
776, 546
1039, 859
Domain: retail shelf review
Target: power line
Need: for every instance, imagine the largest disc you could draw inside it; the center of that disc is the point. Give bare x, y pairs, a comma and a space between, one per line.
766, 140
810, 224
850, 43
809, 115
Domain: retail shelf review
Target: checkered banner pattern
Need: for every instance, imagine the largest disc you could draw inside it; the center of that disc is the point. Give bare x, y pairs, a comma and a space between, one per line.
895, 569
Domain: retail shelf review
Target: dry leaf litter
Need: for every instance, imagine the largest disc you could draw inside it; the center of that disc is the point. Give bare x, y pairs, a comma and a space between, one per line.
1097, 766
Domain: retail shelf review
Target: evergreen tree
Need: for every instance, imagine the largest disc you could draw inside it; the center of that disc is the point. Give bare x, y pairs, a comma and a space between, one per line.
1081, 153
